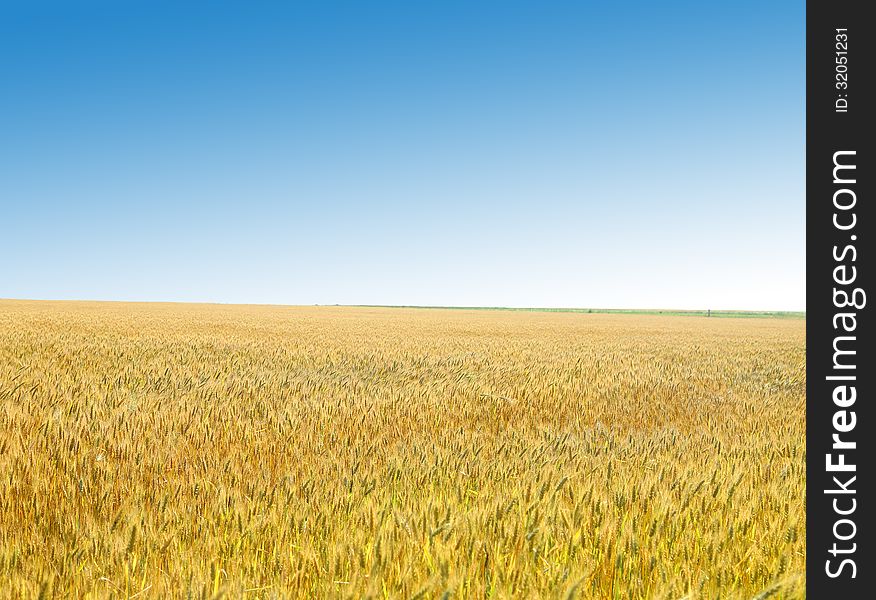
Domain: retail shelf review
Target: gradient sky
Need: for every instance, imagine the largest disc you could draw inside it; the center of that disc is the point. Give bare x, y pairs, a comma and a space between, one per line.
630, 154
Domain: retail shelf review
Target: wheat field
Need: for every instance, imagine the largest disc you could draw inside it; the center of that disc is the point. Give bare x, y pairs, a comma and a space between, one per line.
200, 451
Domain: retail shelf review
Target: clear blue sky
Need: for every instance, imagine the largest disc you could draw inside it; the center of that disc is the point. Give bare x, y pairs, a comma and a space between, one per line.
629, 154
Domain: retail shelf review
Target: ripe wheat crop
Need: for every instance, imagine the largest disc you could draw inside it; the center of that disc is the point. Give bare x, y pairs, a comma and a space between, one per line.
170, 451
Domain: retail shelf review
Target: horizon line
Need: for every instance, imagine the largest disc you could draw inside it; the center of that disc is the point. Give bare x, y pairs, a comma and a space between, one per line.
585, 310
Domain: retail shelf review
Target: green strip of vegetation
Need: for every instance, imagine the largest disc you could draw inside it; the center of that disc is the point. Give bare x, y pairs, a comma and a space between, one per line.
743, 314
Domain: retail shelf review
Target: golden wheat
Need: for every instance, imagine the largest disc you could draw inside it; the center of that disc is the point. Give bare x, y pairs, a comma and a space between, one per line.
156, 451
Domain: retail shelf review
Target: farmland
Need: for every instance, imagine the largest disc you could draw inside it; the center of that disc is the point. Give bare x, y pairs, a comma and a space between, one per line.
173, 450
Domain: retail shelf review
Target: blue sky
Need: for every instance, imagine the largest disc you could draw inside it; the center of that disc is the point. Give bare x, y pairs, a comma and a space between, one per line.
631, 154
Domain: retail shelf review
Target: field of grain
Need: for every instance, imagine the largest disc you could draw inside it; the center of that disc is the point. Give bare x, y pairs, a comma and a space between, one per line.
170, 451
